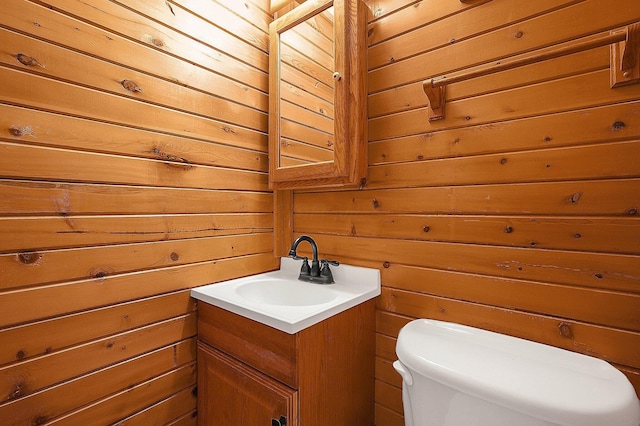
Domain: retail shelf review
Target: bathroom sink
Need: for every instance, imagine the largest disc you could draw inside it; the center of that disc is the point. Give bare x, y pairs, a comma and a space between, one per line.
278, 299
283, 292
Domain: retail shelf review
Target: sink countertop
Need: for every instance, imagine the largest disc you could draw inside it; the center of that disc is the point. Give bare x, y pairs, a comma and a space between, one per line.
353, 285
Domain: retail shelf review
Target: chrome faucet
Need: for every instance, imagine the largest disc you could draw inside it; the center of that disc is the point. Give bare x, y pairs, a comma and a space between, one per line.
319, 271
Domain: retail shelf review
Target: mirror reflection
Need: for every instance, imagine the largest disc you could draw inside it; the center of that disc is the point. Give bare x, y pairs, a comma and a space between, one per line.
307, 84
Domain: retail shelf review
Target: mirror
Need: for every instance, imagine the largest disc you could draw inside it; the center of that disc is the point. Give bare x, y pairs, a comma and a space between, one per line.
317, 116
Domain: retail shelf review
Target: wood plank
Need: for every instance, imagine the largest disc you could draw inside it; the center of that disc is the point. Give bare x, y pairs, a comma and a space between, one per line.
612, 235
33, 162
305, 117
597, 197
384, 369
306, 83
298, 96
171, 408
389, 18
26, 377
31, 304
20, 234
381, 8
567, 23
254, 12
60, 63
49, 266
124, 21
188, 419
411, 96
208, 24
389, 396
386, 351
588, 305
610, 344
387, 417
45, 337
134, 399
24, 197
602, 270
62, 30
539, 99
431, 25
302, 66
294, 153
312, 137
389, 324
33, 127
602, 161
63, 398
23, 88
581, 127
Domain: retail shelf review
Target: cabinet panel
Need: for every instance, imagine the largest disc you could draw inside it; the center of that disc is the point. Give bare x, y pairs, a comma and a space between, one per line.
260, 346
228, 388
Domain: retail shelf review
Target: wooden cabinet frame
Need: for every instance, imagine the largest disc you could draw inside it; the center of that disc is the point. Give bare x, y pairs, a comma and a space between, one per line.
349, 165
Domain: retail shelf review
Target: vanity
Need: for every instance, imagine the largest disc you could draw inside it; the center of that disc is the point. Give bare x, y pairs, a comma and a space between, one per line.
273, 350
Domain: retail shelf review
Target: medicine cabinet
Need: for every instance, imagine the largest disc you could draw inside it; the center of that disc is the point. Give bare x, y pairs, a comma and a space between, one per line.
317, 95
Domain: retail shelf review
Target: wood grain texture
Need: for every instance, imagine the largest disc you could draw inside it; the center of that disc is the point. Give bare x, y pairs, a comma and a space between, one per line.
328, 375
133, 140
482, 217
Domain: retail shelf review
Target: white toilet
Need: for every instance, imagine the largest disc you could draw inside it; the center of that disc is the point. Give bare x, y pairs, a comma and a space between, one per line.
454, 375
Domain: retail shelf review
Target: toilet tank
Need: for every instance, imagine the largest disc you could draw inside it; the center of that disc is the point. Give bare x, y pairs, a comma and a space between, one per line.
456, 375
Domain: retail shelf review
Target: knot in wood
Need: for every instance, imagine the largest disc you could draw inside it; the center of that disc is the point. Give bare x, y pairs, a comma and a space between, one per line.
617, 126
508, 229
565, 330
28, 61
386, 265
29, 257
575, 197
131, 86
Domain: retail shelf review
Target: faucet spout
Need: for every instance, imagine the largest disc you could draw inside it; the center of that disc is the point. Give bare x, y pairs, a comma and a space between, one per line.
296, 243
312, 274
315, 263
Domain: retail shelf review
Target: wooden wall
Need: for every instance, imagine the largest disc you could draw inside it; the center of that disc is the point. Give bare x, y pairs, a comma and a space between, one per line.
518, 213
132, 167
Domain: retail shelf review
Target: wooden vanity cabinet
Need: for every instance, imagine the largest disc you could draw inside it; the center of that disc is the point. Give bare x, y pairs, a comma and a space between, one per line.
250, 373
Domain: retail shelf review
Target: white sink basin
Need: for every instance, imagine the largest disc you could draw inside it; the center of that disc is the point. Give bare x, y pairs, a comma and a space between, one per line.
278, 299
276, 291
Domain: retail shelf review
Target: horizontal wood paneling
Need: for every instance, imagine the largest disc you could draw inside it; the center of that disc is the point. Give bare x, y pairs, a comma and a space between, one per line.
518, 212
133, 164
65, 397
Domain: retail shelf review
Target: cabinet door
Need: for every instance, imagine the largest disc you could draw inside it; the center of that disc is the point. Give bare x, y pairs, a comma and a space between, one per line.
231, 393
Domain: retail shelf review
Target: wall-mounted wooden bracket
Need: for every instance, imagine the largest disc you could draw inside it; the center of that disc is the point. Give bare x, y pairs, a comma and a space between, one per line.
625, 57
436, 96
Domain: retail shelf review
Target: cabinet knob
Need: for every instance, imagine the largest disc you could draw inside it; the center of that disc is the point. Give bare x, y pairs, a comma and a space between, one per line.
337, 76
281, 422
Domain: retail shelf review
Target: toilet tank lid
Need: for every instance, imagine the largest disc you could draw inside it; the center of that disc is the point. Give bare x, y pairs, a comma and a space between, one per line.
543, 381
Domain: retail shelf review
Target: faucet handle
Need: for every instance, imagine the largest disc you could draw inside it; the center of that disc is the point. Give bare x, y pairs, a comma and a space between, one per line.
330, 262
305, 269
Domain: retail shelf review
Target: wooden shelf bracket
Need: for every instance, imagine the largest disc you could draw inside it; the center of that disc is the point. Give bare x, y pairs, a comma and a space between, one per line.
625, 65
625, 57
436, 96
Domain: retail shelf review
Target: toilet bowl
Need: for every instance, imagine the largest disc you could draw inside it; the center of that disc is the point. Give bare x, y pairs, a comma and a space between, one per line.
455, 375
